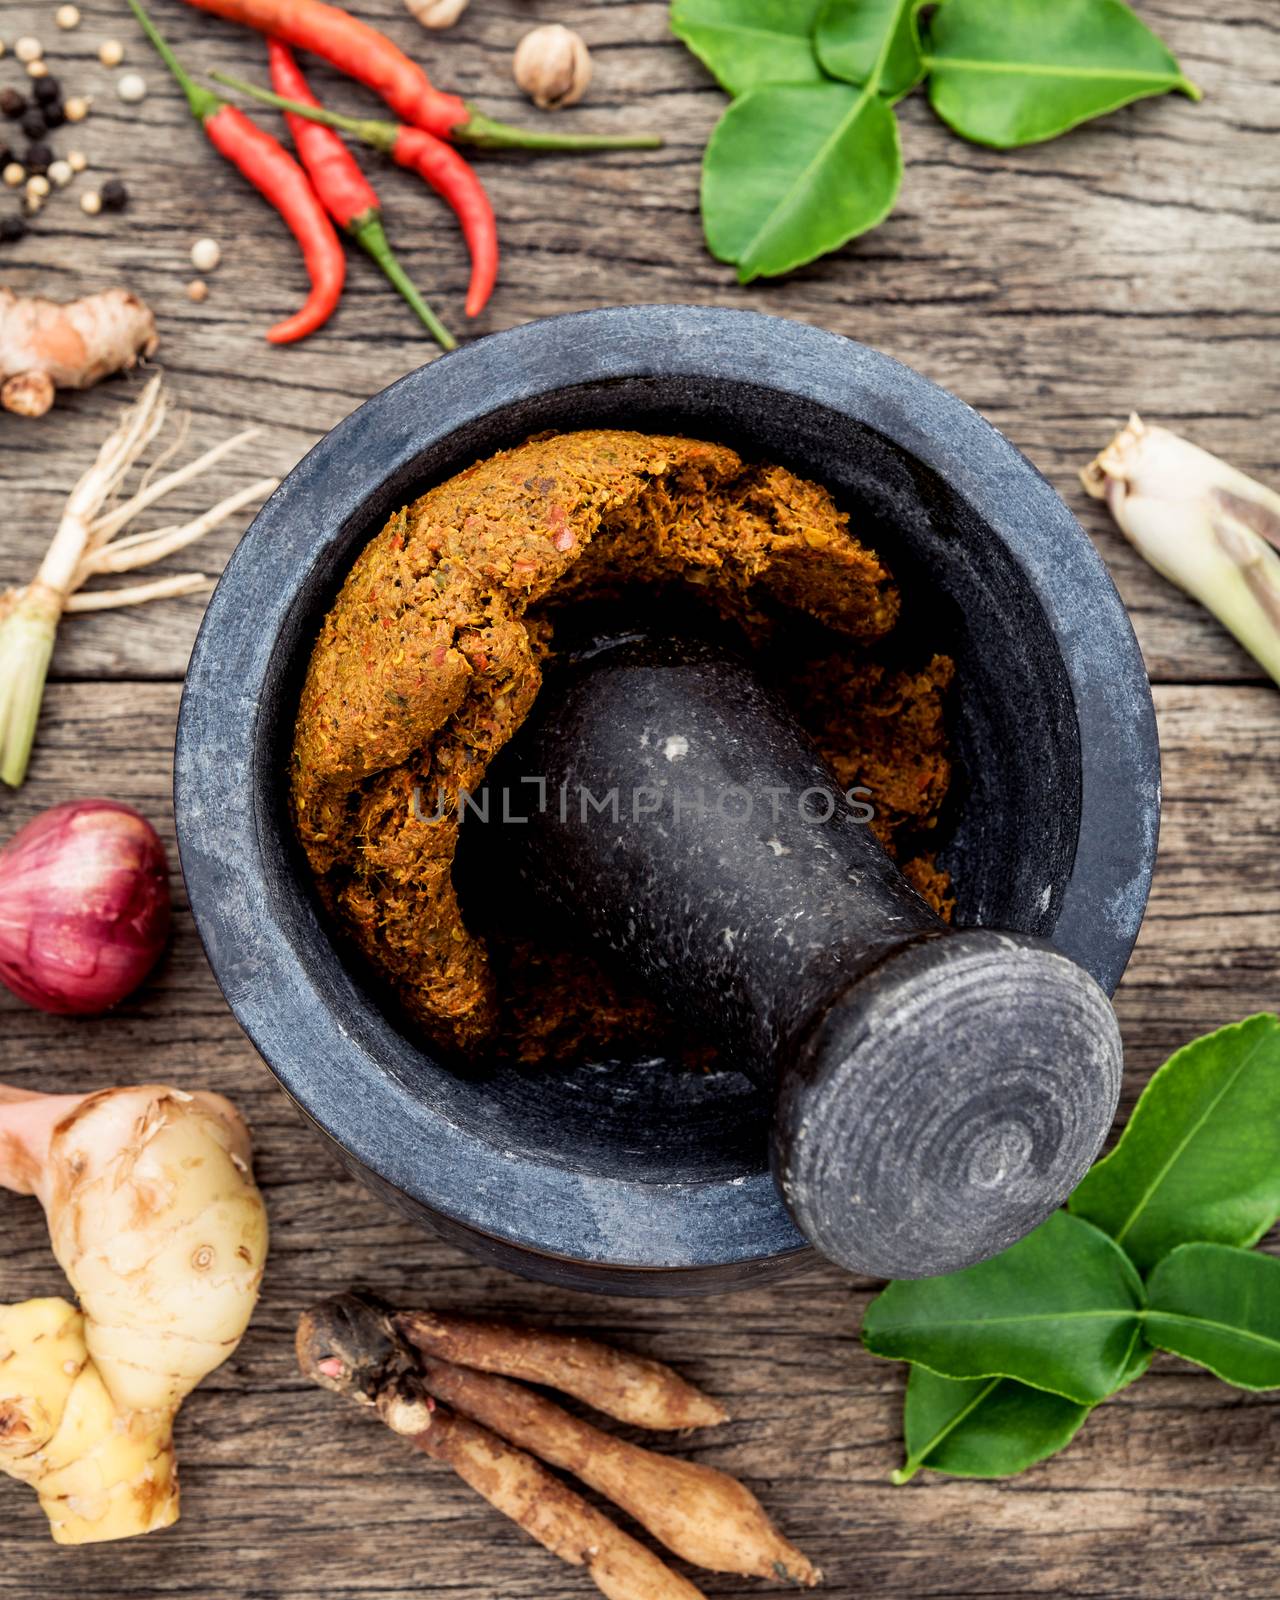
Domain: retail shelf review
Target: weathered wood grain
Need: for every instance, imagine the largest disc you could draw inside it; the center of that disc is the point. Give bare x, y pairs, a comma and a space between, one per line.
1171, 1489
1127, 266
1130, 265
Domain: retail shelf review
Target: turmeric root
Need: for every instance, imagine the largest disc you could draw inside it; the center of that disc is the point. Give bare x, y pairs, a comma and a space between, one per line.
48, 344
156, 1221
621, 1385
100, 1473
705, 1516
347, 1345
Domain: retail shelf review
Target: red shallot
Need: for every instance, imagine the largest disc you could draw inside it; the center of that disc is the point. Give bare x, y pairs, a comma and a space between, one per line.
84, 906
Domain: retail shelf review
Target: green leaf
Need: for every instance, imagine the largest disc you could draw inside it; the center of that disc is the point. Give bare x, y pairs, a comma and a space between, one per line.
991, 1427
1220, 1308
982, 1427
872, 42
792, 172
1060, 1310
749, 42
1200, 1158
1026, 70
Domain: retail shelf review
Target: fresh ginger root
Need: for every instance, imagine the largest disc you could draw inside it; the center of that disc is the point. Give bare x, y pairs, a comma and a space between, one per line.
48, 344
155, 1219
100, 1473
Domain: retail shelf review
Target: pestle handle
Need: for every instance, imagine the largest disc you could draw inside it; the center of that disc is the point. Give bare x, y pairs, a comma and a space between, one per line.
937, 1092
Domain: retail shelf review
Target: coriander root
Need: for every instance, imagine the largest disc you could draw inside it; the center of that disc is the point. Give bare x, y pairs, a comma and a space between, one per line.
703, 1515
100, 1473
621, 1385
346, 1345
47, 345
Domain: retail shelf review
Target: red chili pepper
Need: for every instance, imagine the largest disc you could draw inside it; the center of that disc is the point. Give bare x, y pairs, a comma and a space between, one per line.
278, 178
346, 193
439, 163
454, 181
363, 53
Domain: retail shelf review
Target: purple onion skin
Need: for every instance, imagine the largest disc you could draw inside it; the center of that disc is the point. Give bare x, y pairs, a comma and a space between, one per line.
84, 906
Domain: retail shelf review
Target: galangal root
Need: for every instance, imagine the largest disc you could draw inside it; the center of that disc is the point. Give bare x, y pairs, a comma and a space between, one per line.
156, 1221
47, 344
489, 1431
101, 1473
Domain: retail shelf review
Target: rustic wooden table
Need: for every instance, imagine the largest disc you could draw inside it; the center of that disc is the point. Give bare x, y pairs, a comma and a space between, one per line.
1129, 265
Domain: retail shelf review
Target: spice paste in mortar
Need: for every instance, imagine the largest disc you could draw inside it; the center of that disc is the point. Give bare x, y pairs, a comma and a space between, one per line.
431, 657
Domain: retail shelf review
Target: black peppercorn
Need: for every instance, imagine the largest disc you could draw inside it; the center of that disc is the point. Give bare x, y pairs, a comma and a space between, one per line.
12, 229
54, 115
33, 124
12, 104
37, 158
115, 197
46, 91
6, 155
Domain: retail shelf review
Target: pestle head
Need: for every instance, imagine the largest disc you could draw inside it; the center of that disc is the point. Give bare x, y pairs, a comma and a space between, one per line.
937, 1091
946, 1104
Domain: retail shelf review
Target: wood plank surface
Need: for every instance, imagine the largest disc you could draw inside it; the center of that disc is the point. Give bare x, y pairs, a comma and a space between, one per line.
1128, 266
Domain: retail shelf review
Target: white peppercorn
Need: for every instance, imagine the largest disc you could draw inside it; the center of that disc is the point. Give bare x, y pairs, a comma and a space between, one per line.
91, 202
132, 88
205, 255
60, 173
111, 52
67, 17
28, 49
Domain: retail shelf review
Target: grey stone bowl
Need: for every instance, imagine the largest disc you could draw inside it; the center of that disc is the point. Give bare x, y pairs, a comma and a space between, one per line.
630, 1177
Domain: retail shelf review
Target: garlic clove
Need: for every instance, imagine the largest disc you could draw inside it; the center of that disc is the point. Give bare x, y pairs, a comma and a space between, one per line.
553, 66
436, 13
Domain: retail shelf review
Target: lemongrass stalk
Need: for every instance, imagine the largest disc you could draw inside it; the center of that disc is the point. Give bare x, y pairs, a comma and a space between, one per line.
107, 526
82, 547
26, 647
137, 594
142, 549
1202, 524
